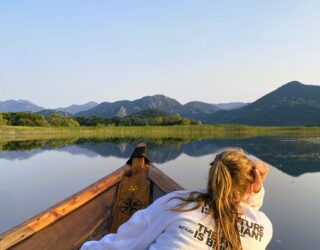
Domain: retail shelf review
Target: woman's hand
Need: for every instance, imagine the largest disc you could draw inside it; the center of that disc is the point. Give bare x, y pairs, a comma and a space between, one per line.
263, 169
260, 174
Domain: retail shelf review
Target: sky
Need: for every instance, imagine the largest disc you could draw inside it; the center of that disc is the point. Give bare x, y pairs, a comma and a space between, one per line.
63, 52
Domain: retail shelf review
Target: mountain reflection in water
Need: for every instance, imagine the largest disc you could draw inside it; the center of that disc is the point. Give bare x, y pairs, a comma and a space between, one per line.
294, 156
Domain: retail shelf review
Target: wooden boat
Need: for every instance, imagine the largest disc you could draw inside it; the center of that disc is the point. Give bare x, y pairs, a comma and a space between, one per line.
95, 211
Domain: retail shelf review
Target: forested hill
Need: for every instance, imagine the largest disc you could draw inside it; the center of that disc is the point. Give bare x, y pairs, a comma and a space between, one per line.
292, 104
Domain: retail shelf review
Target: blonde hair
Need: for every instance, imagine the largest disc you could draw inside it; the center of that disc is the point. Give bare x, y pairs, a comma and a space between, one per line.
230, 175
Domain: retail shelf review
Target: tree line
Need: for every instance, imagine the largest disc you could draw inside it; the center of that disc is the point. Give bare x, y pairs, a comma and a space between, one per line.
58, 120
32, 120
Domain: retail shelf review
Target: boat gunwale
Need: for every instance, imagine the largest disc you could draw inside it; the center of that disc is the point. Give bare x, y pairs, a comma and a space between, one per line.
162, 180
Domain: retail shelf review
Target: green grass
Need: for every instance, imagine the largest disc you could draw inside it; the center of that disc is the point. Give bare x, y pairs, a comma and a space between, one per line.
177, 131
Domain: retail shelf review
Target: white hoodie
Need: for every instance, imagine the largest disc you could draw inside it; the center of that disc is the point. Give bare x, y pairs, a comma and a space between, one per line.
158, 227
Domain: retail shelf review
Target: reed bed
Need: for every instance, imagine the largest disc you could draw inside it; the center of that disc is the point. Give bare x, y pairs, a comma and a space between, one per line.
176, 131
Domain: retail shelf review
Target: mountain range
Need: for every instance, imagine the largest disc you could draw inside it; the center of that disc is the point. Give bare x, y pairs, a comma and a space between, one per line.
194, 110
292, 104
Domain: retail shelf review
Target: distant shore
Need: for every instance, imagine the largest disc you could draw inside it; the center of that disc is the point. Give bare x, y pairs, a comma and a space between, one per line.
183, 131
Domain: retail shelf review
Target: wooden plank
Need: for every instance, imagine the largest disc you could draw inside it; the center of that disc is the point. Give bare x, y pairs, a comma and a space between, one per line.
37, 223
133, 193
164, 182
138, 165
90, 221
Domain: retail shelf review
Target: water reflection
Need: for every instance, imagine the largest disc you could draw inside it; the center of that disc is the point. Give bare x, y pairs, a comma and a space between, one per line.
292, 156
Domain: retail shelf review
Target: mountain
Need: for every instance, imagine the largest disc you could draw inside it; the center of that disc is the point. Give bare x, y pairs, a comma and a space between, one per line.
73, 109
124, 108
231, 105
149, 113
197, 110
18, 106
49, 112
193, 110
292, 104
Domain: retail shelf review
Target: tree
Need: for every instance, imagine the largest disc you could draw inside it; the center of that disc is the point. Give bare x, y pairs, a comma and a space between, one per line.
58, 120
25, 119
2, 120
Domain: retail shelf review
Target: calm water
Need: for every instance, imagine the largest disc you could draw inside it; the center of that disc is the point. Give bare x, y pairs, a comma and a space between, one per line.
37, 174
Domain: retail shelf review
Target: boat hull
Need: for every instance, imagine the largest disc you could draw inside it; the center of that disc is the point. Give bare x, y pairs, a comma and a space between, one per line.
95, 211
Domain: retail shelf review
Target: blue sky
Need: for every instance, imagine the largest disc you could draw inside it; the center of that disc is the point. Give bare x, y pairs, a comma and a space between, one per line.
55, 53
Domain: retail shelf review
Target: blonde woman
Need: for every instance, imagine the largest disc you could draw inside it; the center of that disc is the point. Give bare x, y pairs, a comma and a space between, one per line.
226, 216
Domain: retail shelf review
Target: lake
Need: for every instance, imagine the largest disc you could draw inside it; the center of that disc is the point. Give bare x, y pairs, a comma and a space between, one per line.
35, 175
